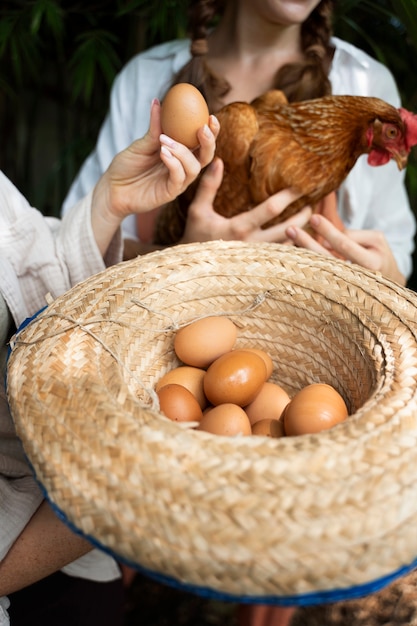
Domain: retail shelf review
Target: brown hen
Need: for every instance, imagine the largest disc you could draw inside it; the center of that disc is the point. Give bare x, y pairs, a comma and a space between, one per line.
311, 146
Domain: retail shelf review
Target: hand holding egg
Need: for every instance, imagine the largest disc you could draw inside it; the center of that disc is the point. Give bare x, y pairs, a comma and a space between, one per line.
152, 171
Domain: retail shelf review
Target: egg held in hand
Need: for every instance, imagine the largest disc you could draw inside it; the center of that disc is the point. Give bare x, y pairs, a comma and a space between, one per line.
183, 112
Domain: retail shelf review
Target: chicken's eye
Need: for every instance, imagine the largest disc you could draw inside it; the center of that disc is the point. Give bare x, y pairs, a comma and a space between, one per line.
391, 132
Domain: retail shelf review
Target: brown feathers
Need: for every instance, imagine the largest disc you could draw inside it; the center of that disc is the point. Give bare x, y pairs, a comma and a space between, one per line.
311, 146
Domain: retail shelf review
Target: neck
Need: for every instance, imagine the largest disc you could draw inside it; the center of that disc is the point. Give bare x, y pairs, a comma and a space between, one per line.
247, 50
246, 36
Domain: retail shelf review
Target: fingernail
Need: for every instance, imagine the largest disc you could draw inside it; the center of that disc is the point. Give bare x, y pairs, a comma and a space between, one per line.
291, 232
206, 130
166, 152
212, 166
315, 219
167, 141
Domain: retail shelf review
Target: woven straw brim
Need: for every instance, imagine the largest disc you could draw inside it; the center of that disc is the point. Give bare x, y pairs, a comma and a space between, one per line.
247, 517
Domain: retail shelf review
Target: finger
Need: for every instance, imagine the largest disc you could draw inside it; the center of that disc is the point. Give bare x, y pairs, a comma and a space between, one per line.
214, 125
210, 183
207, 142
155, 120
300, 219
190, 164
177, 175
302, 239
274, 205
254, 220
149, 143
278, 232
334, 238
341, 244
369, 239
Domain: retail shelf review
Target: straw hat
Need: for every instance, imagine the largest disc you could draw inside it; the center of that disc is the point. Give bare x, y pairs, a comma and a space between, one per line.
298, 520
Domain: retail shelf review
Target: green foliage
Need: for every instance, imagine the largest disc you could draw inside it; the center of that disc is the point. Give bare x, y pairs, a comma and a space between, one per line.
95, 54
387, 29
58, 60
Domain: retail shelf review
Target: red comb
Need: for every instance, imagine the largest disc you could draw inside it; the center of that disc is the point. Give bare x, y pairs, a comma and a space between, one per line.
410, 121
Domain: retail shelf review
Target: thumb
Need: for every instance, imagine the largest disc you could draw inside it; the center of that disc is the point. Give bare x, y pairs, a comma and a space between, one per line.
210, 182
328, 208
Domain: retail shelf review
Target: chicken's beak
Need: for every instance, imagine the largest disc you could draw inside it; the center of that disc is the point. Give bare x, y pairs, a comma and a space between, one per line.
401, 158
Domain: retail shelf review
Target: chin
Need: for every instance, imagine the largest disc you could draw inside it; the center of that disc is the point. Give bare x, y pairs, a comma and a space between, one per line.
287, 12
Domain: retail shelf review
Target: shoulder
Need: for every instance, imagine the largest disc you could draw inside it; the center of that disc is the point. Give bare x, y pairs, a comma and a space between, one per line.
169, 49
11, 200
156, 64
356, 72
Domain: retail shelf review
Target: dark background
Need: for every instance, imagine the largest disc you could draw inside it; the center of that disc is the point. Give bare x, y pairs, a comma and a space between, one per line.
58, 60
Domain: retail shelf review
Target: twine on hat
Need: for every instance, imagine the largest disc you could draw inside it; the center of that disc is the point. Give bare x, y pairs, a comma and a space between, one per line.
301, 519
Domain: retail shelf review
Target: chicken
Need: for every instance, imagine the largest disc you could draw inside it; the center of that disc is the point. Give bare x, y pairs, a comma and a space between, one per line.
311, 146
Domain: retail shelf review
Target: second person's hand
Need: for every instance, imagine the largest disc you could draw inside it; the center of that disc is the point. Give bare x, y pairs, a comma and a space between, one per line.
368, 248
204, 224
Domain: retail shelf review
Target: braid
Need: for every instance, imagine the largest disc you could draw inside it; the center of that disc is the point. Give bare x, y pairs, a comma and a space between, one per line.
309, 79
299, 81
202, 14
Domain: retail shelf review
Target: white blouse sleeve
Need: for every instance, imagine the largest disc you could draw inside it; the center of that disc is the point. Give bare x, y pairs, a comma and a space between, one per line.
41, 256
38, 256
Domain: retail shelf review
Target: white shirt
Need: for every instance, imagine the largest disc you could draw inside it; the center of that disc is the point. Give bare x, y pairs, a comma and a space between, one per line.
371, 197
39, 256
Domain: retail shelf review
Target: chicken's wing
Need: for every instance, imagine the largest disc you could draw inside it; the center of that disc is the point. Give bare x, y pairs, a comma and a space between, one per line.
238, 127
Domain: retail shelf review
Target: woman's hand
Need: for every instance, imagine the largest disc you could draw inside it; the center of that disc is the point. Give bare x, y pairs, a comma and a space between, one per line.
204, 224
368, 248
152, 171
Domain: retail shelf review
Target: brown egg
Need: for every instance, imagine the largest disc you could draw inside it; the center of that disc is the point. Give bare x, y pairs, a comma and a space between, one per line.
189, 377
268, 404
234, 377
183, 112
268, 428
267, 359
201, 342
225, 419
179, 404
314, 408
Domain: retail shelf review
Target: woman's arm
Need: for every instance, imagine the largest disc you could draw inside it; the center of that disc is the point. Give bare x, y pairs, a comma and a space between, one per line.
44, 546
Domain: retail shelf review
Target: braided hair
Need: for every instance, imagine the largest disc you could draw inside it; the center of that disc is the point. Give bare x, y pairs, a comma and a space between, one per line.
299, 81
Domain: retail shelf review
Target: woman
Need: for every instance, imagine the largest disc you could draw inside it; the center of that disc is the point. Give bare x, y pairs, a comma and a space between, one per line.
257, 45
